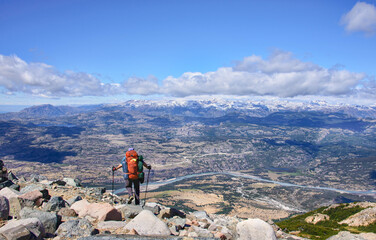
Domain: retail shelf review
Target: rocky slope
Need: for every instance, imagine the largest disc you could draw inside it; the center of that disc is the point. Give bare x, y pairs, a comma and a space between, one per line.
62, 209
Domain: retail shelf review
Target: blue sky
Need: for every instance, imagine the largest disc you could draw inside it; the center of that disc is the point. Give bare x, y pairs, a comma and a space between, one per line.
79, 52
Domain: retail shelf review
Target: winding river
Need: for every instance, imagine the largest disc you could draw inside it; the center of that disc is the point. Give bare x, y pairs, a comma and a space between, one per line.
158, 184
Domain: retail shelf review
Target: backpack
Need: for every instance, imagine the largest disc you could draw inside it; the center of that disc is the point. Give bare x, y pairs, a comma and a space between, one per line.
141, 177
135, 166
132, 164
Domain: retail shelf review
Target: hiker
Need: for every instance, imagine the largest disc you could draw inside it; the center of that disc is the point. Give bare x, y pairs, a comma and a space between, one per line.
132, 173
3, 172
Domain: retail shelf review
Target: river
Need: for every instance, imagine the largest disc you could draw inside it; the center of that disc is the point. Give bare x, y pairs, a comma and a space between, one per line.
156, 185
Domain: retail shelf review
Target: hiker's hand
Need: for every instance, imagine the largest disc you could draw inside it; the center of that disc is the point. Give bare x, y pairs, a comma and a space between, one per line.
114, 168
148, 167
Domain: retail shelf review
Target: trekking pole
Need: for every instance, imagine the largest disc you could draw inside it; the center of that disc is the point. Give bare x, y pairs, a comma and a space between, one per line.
146, 190
113, 180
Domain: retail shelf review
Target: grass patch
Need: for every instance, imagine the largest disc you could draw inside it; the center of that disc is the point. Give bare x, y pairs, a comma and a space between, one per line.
369, 228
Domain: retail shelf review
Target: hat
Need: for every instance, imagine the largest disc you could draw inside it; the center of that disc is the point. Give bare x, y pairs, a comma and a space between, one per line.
130, 149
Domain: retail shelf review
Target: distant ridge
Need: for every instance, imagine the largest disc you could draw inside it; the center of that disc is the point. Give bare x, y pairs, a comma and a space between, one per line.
47, 111
199, 108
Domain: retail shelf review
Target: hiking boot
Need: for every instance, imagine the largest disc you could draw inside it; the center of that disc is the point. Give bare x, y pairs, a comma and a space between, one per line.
129, 200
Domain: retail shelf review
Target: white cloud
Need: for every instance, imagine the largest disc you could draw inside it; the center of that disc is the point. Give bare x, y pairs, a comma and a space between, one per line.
280, 75
141, 86
43, 80
361, 18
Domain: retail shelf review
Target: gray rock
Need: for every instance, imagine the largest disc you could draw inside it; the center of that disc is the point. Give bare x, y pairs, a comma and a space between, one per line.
174, 231
110, 225
67, 212
73, 200
255, 229
344, 235
14, 207
11, 176
147, 224
9, 193
129, 211
201, 215
16, 229
19, 232
49, 220
4, 208
54, 204
72, 182
37, 178
39, 187
99, 190
154, 207
202, 232
178, 222
170, 212
76, 228
15, 187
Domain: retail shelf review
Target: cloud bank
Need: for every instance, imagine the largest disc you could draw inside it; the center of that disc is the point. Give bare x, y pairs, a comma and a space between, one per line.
39, 79
361, 18
281, 75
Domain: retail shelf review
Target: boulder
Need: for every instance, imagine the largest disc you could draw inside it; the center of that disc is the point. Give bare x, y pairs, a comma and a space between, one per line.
147, 224
178, 222
104, 212
4, 208
201, 214
76, 228
9, 193
81, 207
170, 212
54, 204
74, 182
14, 203
111, 226
49, 220
368, 236
74, 199
202, 233
37, 178
11, 176
32, 187
255, 229
129, 211
29, 199
99, 211
344, 235
30, 228
67, 212
14, 207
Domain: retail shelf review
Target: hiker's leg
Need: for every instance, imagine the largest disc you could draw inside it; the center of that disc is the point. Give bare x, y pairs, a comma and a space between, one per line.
137, 191
128, 186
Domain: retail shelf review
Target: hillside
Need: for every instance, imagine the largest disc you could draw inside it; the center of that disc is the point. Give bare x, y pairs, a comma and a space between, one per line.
328, 221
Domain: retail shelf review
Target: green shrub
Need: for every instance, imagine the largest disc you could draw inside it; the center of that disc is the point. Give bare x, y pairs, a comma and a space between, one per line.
341, 213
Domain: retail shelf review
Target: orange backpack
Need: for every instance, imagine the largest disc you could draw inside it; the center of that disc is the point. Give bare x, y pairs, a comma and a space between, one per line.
132, 162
